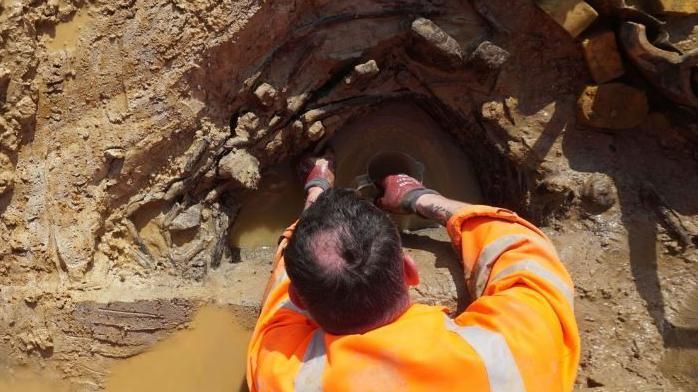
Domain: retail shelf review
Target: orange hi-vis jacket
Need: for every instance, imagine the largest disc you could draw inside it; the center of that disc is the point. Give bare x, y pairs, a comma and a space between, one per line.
519, 334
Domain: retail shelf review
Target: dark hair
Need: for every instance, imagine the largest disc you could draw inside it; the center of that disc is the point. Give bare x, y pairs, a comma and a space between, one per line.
345, 261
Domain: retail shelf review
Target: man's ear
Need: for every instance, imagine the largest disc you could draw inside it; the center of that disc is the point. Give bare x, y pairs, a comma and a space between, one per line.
295, 298
411, 271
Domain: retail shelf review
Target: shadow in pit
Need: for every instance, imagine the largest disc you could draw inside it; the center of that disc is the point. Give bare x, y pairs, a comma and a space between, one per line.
444, 258
634, 161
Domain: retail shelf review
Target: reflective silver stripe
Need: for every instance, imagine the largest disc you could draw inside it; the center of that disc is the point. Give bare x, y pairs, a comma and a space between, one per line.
481, 270
289, 305
492, 348
309, 377
541, 272
483, 266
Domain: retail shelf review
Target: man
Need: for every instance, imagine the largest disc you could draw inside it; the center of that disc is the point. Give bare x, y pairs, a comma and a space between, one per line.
337, 314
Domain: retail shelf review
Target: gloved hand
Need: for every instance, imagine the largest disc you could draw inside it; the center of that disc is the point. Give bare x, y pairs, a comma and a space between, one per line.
317, 171
400, 194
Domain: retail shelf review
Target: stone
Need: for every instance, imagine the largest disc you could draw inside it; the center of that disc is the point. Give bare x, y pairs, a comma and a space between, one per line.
240, 166
115, 153
266, 94
573, 15
488, 56
26, 109
7, 174
602, 56
187, 219
612, 106
679, 6
247, 125
35, 339
8, 136
296, 102
431, 45
598, 193
316, 131
363, 72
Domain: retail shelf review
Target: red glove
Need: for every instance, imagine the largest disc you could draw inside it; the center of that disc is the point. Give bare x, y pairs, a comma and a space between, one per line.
400, 194
317, 171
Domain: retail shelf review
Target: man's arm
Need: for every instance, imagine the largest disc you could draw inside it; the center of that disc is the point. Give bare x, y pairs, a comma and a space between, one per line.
522, 314
520, 288
438, 208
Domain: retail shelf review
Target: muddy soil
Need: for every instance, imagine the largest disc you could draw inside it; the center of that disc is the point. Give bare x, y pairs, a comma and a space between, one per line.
138, 139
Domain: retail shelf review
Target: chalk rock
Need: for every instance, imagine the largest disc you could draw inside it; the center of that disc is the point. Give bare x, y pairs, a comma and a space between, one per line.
266, 94
35, 339
8, 135
679, 6
488, 56
363, 72
602, 56
431, 45
240, 166
115, 153
316, 131
573, 15
612, 106
248, 125
7, 174
598, 193
187, 219
26, 109
296, 102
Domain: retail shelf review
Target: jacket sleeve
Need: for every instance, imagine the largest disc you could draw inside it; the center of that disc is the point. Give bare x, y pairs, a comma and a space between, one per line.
280, 329
522, 309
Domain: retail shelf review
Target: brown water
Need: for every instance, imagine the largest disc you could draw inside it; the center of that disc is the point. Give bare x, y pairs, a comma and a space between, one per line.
209, 356
68, 34
393, 127
265, 213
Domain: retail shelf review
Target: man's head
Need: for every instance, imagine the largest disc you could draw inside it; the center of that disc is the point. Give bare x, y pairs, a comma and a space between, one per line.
346, 264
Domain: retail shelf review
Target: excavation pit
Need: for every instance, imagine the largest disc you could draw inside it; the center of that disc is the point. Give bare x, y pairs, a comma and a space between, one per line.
392, 127
123, 210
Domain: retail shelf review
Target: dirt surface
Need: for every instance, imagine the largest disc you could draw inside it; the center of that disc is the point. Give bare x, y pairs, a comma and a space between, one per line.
132, 132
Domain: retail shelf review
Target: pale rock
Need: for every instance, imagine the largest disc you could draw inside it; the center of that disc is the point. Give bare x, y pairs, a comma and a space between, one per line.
679, 6
612, 106
115, 153
487, 60
187, 219
573, 15
296, 102
26, 108
8, 135
266, 94
7, 174
242, 167
363, 72
316, 131
431, 45
247, 125
36, 339
598, 193
602, 56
